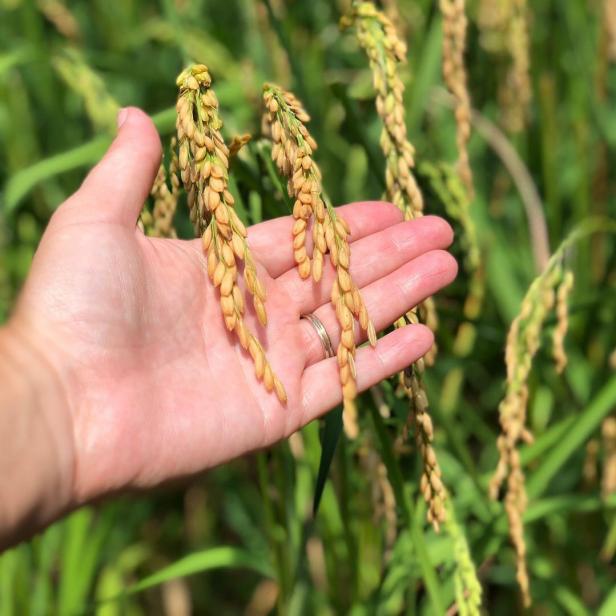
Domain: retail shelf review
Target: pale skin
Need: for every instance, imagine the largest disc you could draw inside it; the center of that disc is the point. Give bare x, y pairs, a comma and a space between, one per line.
117, 371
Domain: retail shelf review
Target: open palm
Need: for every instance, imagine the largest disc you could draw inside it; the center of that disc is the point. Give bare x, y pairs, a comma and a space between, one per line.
156, 387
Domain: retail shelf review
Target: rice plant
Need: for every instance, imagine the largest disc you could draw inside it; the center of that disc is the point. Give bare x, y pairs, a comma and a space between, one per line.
479, 481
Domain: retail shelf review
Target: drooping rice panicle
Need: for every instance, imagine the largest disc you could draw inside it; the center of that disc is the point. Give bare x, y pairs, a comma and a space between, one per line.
292, 151
61, 17
165, 198
517, 90
386, 51
562, 315
609, 23
101, 107
504, 30
523, 342
203, 163
454, 73
608, 438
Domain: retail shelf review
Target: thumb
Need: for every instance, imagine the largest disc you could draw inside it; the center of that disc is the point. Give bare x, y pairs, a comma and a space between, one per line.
116, 188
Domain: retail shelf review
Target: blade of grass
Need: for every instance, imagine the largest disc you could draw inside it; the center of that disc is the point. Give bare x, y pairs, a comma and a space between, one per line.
332, 430
23, 182
587, 421
224, 557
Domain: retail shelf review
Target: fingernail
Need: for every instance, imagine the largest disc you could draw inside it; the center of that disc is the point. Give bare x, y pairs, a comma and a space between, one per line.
122, 116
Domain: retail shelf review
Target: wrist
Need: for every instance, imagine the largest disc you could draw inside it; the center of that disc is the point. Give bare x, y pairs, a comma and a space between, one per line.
37, 458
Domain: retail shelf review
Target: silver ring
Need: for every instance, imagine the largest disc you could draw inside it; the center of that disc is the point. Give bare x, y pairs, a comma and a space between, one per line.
326, 343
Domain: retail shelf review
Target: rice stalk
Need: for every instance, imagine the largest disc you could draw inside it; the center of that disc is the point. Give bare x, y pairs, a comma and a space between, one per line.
454, 73
203, 161
293, 149
101, 107
386, 51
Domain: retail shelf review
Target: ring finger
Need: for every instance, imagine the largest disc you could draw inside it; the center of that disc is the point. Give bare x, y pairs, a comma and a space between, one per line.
386, 299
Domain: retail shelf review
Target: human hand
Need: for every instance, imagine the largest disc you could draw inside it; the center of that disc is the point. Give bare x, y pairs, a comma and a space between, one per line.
152, 386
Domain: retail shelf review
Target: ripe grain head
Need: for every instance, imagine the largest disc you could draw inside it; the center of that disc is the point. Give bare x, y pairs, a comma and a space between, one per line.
454, 73
165, 197
386, 51
285, 119
204, 166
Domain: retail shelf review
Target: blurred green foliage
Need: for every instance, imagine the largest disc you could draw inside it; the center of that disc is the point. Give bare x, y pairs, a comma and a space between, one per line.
242, 539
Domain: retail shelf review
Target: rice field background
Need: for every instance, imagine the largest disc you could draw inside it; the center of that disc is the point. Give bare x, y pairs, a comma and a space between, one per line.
243, 539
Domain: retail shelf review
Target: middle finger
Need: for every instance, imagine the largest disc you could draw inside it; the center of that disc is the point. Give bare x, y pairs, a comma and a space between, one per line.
372, 257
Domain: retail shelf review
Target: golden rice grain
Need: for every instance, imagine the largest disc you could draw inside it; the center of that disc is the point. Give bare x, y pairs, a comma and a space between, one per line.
237, 143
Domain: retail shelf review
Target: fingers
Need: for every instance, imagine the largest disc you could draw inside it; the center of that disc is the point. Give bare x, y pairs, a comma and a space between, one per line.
271, 241
387, 298
372, 258
321, 384
116, 188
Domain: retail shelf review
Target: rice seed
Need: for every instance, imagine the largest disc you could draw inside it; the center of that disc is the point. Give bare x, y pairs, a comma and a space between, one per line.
293, 149
237, 143
203, 162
